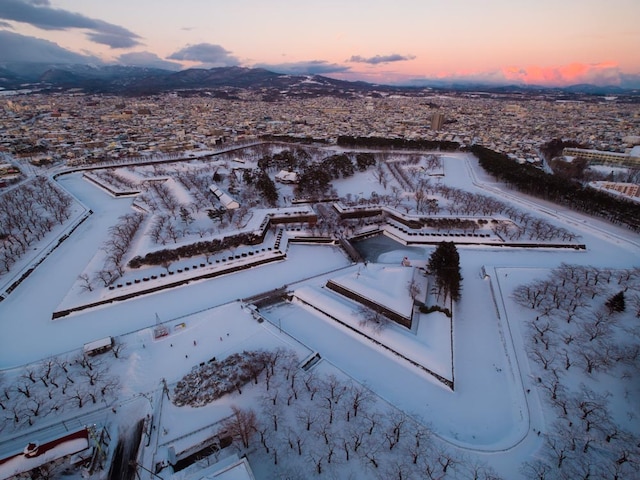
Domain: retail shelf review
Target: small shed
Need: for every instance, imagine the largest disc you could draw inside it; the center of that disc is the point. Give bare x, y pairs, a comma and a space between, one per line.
98, 346
285, 176
226, 200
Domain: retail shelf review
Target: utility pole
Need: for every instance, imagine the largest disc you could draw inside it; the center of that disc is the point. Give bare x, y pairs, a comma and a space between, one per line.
133, 463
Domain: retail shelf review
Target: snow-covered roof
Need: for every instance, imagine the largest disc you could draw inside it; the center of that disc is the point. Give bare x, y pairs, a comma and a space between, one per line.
97, 344
231, 468
285, 176
35, 455
226, 200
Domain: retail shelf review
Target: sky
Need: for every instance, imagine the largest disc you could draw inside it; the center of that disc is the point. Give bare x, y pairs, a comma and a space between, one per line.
540, 42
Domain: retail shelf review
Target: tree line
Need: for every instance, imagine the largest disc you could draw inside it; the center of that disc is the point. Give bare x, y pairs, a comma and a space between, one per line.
209, 247
534, 181
27, 214
396, 143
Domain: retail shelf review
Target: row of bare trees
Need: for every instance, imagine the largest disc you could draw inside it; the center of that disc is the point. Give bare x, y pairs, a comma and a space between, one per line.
55, 386
116, 247
28, 213
436, 198
115, 181
319, 425
198, 183
579, 346
408, 170
461, 202
159, 197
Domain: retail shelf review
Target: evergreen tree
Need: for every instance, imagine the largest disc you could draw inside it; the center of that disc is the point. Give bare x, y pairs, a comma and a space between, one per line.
313, 181
444, 265
338, 166
268, 188
615, 303
364, 161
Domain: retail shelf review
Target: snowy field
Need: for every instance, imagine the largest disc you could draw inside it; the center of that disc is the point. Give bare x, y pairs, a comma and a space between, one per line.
494, 415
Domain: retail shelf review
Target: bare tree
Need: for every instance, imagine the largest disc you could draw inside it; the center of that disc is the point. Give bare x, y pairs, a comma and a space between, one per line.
106, 276
24, 389
380, 175
446, 460
413, 288
372, 318
473, 469
553, 385
599, 327
117, 348
538, 470
312, 384
94, 375
542, 332
546, 358
371, 421
317, 459
358, 397
272, 409
33, 406
307, 416
395, 469
86, 284
296, 440
242, 425
394, 428
79, 394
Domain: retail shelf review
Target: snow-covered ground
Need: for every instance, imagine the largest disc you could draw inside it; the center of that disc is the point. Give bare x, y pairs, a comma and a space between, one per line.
494, 411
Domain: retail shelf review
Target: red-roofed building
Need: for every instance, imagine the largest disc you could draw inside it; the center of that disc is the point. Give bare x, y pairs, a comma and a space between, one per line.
37, 454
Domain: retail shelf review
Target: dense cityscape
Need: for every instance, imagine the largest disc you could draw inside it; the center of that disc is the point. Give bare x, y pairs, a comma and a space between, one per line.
81, 129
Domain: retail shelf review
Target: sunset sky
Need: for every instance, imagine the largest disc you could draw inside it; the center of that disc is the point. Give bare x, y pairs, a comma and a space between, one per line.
545, 42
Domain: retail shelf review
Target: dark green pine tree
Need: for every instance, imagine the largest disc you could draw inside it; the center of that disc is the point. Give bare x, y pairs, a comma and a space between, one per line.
268, 188
444, 264
615, 303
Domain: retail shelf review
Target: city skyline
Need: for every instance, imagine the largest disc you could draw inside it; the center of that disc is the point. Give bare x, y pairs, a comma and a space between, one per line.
405, 42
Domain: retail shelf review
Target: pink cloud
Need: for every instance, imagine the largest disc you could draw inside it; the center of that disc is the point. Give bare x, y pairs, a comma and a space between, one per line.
605, 73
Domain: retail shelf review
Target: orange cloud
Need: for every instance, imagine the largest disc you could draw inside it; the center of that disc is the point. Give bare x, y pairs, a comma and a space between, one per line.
601, 74
606, 73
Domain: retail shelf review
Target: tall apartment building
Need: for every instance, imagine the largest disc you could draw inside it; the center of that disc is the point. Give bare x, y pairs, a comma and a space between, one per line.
437, 119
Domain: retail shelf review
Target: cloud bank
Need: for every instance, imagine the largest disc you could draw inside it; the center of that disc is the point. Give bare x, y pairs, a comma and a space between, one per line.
40, 14
206, 53
606, 73
20, 48
599, 74
377, 59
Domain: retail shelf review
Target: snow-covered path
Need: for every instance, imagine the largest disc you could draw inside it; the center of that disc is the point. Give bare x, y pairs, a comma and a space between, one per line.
29, 307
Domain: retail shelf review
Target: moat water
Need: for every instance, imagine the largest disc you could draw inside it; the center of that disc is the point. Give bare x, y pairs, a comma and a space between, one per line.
382, 249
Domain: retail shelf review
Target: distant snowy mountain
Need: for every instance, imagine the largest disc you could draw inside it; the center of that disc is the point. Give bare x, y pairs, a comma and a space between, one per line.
130, 80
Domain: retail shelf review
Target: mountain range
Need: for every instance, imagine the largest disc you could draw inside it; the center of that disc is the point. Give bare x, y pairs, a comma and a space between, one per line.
227, 81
